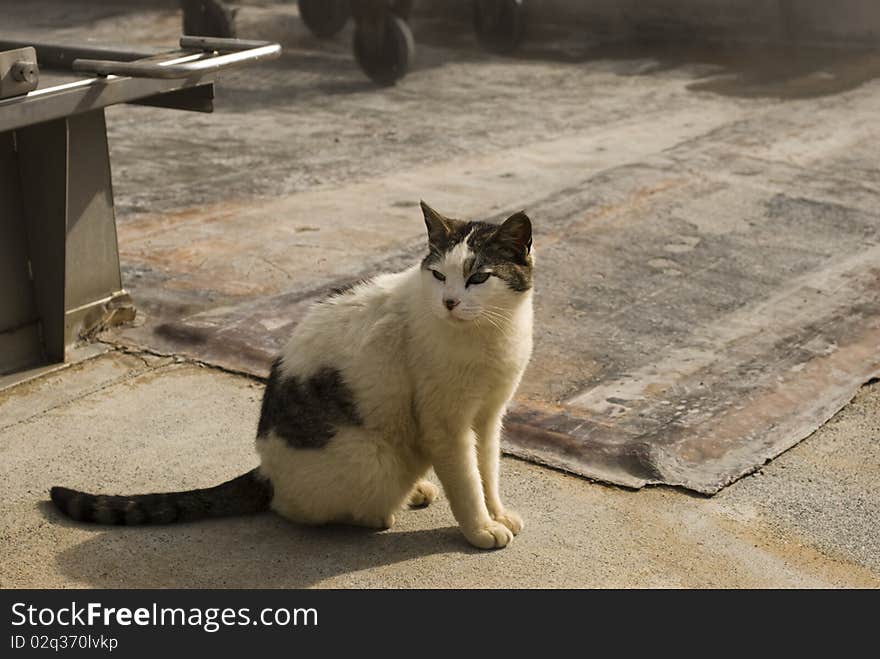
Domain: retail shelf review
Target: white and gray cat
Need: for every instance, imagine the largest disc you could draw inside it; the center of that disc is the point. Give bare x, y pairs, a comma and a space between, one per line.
379, 383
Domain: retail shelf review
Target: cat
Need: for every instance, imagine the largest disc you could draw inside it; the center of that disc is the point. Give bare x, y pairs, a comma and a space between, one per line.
377, 384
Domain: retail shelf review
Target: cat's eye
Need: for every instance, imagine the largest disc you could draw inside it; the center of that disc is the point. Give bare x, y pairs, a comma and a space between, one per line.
438, 276
478, 278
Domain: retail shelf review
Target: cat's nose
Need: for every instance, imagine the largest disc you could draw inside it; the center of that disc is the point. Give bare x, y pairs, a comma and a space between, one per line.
451, 303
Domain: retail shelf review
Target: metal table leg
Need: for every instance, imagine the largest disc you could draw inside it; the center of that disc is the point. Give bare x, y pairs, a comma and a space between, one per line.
63, 210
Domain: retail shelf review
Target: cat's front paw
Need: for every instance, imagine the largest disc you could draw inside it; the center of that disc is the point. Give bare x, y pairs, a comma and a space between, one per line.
492, 535
423, 494
510, 519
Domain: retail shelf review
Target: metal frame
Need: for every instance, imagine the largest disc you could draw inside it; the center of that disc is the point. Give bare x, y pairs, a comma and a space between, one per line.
240, 53
89, 93
59, 263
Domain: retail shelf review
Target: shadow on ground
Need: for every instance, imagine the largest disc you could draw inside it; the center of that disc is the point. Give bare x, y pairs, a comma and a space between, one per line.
255, 552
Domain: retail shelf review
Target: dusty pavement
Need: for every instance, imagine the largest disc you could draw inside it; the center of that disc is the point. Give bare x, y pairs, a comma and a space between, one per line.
319, 144
126, 423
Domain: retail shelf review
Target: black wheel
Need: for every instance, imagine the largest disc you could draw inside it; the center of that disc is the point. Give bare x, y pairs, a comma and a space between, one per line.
207, 18
499, 24
384, 49
324, 18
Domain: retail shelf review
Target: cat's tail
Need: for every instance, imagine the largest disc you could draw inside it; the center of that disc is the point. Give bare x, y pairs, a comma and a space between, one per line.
249, 493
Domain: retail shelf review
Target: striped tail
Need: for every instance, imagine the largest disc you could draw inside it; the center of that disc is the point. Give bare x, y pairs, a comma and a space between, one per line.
247, 494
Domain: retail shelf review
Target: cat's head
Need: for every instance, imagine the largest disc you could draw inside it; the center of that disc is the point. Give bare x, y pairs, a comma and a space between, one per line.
476, 271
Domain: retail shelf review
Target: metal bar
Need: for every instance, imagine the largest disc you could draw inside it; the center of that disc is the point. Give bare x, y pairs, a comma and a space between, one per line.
169, 70
220, 44
194, 99
59, 56
82, 96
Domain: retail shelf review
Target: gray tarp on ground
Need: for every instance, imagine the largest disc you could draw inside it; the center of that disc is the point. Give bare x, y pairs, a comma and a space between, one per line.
693, 322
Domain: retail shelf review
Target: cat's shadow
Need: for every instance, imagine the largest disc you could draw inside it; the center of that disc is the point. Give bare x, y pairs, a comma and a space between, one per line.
263, 551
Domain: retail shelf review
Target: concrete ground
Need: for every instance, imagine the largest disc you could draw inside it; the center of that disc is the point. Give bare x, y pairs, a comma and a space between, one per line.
124, 423
200, 204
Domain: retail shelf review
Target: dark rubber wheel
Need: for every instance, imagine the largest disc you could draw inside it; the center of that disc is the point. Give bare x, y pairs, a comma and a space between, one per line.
207, 18
499, 24
324, 18
384, 50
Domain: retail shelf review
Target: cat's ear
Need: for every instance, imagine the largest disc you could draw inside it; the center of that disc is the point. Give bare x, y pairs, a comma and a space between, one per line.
516, 234
439, 227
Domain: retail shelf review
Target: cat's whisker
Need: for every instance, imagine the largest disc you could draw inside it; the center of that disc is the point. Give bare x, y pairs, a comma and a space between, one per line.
505, 331
499, 321
495, 307
495, 314
503, 313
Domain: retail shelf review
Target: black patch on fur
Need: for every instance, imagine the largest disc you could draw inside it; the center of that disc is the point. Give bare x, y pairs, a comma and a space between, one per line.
249, 493
306, 412
512, 266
